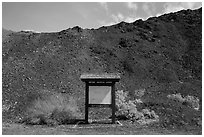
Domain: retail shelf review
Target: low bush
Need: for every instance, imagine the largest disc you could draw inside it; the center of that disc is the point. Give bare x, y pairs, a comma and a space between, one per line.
172, 109
190, 101
139, 93
52, 109
177, 114
127, 109
149, 114
121, 98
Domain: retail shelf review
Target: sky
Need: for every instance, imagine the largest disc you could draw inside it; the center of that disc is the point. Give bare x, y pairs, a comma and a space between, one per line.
57, 16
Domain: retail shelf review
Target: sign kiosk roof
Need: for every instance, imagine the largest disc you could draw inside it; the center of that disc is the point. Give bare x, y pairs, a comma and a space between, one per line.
101, 77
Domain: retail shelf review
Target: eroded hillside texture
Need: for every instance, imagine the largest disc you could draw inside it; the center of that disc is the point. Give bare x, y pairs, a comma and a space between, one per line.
161, 55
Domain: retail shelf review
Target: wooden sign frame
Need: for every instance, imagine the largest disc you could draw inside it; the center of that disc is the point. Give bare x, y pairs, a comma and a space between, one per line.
100, 80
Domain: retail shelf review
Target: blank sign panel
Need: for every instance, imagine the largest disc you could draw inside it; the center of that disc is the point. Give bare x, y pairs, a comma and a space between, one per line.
99, 95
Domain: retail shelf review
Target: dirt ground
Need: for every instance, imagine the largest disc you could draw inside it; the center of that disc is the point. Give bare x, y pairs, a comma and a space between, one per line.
95, 129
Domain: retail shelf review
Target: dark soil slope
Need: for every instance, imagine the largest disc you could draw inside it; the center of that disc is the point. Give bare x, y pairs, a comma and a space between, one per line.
6, 33
160, 54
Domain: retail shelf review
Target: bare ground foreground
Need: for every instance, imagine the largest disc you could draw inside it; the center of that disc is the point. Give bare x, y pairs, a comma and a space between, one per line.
100, 129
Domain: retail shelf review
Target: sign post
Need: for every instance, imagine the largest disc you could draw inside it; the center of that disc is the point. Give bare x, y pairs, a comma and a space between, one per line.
100, 91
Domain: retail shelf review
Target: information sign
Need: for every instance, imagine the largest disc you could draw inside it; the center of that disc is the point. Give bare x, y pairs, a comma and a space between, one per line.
99, 95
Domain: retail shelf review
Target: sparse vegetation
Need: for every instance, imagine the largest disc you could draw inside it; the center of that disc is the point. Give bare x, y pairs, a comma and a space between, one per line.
52, 109
190, 101
172, 112
127, 109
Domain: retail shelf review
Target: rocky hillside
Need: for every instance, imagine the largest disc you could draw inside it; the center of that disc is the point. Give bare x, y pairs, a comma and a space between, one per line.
160, 54
5, 33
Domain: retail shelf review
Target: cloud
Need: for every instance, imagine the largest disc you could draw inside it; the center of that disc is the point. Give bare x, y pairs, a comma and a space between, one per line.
188, 5
132, 5
104, 23
104, 5
172, 7
147, 9
176, 6
120, 17
117, 18
150, 9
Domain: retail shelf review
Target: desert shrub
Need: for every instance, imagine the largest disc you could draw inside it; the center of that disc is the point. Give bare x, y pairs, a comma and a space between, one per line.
51, 109
121, 97
176, 97
190, 101
172, 110
149, 114
127, 109
177, 114
139, 93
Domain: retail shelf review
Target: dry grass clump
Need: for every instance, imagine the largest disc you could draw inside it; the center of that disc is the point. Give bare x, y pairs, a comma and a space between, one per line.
52, 109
